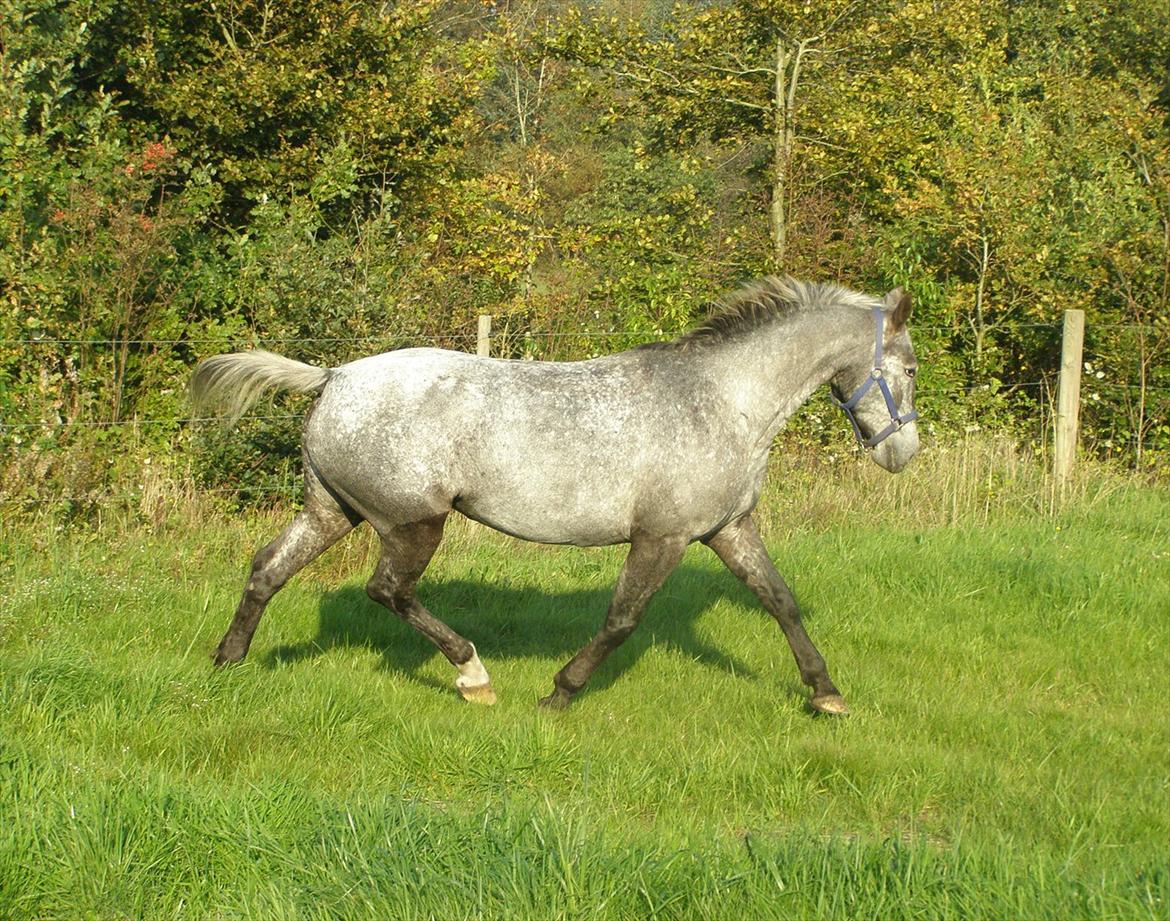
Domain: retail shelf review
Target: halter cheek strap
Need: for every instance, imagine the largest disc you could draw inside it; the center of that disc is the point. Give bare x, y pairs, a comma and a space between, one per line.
897, 420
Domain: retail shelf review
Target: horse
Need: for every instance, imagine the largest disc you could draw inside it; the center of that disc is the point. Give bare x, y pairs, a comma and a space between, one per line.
657, 447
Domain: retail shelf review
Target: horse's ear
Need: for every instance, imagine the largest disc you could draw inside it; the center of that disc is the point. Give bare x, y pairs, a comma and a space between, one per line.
899, 300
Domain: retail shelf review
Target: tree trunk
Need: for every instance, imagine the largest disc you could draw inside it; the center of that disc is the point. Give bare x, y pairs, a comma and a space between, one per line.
781, 157
978, 321
787, 77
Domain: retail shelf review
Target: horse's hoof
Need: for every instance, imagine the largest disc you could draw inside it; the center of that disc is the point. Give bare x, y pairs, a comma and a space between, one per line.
831, 704
557, 700
479, 694
220, 659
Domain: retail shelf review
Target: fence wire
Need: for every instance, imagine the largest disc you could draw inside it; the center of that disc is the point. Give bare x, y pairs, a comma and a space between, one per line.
469, 331
470, 334
516, 338
110, 496
1001, 387
54, 425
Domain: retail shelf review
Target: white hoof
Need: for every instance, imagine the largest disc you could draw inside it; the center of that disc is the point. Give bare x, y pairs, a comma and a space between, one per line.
473, 682
479, 694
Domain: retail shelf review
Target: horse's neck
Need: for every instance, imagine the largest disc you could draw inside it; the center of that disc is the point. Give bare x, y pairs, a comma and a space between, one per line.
771, 372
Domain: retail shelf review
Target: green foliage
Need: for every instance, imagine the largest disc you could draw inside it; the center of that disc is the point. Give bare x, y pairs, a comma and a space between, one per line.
264, 94
644, 234
97, 245
182, 179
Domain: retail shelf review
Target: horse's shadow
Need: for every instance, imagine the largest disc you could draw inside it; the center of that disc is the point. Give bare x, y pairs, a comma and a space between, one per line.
517, 621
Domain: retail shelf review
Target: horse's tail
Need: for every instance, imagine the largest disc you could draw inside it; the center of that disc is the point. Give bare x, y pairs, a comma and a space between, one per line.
234, 382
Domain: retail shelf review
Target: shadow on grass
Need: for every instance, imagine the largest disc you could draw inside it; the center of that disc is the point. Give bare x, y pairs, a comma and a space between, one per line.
521, 622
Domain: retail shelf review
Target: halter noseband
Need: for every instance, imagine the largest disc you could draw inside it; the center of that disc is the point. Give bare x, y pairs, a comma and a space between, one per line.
896, 420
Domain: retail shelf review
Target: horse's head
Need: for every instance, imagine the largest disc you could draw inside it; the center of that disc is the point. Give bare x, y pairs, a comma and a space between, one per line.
876, 391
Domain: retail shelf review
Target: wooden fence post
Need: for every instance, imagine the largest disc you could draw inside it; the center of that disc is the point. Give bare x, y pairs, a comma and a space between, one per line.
483, 344
1068, 400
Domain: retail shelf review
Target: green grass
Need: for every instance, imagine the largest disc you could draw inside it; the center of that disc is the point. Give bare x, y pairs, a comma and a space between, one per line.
1008, 755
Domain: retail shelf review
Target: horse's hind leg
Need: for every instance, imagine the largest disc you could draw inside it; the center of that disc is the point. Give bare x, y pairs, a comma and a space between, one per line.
313, 531
645, 569
740, 547
406, 551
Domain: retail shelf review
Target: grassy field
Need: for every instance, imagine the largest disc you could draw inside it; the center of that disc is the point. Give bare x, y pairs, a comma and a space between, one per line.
1006, 656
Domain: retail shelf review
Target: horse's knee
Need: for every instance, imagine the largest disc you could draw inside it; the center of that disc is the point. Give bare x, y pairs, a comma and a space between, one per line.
378, 591
264, 579
397, 598
617, 631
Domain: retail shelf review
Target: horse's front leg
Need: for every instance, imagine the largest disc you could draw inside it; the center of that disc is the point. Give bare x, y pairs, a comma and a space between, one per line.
740, 547
649, 562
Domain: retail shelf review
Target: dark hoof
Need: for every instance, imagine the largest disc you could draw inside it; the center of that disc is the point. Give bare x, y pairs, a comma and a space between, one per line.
557, 700
830, 704
220, 658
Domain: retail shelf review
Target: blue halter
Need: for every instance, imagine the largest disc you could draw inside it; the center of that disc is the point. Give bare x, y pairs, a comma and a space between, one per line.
896, 420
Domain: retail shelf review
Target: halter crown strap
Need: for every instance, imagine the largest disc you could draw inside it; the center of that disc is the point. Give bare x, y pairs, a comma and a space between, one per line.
896, 420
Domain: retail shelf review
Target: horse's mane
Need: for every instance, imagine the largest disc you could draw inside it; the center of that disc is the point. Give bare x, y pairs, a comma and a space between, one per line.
759, 303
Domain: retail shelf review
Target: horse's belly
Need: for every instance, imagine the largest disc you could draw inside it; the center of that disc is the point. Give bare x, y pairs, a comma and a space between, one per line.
553, 510
598, 505
545, 528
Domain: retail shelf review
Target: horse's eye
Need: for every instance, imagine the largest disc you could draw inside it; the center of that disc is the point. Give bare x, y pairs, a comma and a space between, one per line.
910, 372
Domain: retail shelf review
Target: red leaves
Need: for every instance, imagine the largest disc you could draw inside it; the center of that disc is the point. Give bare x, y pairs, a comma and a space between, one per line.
153, 156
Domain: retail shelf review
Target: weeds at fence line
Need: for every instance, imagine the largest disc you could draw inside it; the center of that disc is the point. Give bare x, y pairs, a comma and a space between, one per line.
968, 482
68, 460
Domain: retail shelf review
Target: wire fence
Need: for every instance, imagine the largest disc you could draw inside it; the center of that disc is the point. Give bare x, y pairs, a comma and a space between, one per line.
517, 338
470, 334
526, 342
50, 425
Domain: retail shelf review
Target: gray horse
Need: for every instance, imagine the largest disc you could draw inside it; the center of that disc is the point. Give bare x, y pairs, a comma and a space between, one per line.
657, 447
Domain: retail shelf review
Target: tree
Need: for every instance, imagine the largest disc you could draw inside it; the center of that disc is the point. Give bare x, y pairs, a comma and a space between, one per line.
262, 93
752, 72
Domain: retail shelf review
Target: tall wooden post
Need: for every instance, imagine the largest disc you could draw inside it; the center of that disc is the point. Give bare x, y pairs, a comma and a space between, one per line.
1068, 399
483, 343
